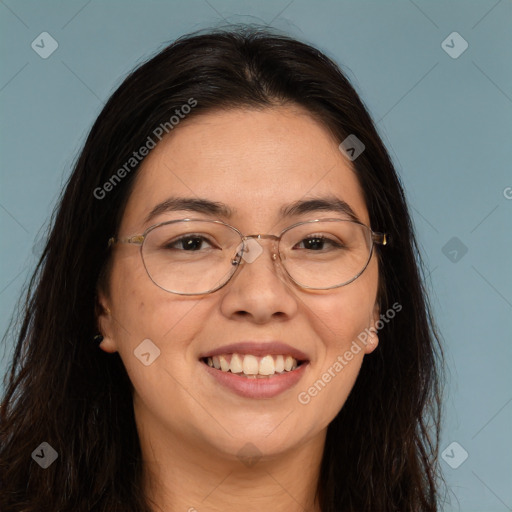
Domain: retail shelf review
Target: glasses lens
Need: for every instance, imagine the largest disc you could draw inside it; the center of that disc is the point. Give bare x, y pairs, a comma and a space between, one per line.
326, 254
190, 257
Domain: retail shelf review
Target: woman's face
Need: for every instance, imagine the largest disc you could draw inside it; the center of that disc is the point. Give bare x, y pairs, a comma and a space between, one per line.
256, 163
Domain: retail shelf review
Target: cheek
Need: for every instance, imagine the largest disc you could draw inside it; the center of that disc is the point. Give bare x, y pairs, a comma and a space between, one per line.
344, 313
338, 318
142, 309
146, 319
153, 334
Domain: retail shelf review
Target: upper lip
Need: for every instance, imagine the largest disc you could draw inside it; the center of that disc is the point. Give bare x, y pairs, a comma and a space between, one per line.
272, 348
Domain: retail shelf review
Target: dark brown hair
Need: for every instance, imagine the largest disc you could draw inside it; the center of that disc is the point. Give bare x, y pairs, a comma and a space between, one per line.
381, 449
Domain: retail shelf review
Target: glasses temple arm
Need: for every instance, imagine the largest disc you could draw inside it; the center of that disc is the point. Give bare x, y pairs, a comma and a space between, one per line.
380, 238
135, 239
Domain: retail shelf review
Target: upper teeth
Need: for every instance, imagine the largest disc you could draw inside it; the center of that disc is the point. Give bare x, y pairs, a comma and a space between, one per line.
252, 365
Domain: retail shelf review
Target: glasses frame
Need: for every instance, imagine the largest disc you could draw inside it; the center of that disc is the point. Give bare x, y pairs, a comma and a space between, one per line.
376, 239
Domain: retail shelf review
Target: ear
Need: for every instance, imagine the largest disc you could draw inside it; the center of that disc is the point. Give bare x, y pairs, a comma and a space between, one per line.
373, 338
105, 323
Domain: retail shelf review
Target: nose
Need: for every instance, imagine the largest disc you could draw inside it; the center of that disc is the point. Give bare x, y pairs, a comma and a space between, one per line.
259, 290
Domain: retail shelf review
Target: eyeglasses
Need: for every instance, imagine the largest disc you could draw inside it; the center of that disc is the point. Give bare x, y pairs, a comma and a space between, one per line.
195, 257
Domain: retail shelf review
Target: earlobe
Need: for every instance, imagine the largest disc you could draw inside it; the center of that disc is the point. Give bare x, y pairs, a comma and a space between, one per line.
105, 325
373, 338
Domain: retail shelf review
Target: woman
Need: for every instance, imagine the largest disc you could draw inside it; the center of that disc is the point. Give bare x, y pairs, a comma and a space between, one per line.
228, 314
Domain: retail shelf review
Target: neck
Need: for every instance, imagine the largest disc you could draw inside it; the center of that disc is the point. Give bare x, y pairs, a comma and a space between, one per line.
181, 474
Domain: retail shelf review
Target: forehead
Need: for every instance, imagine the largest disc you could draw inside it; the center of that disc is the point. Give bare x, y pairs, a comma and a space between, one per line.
254, 161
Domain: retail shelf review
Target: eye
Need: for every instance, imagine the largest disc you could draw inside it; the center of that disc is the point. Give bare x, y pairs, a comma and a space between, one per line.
318, 243
188, 243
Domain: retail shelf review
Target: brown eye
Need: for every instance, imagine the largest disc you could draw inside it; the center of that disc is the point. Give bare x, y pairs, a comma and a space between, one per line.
188, 243
318, 243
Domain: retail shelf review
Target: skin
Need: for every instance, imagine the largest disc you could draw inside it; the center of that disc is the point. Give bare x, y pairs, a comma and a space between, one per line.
190, 428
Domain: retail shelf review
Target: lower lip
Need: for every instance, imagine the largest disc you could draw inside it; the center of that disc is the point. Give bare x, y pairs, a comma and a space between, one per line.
247, 387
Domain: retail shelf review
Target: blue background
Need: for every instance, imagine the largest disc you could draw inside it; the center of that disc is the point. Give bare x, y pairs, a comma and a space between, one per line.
446, 121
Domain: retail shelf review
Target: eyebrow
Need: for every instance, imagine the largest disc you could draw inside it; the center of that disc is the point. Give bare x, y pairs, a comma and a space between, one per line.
215, 208
190, 204
330, 204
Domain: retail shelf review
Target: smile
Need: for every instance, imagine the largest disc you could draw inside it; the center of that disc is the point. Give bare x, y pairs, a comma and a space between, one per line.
252, 366
254, 370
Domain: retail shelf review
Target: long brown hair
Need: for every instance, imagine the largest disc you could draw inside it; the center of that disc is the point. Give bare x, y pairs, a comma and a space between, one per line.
381, 449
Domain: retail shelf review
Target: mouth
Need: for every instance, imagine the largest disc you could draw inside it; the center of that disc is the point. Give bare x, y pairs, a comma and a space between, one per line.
255, 370
252, 366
